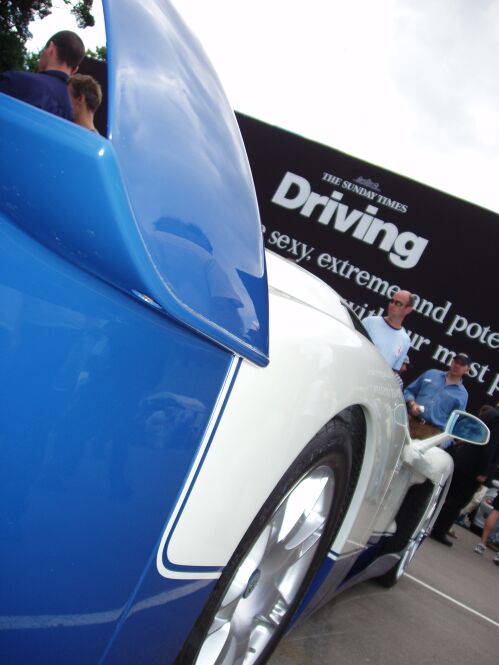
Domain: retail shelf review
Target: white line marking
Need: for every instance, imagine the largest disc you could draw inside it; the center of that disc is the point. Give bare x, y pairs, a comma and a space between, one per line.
188, 575
453, 600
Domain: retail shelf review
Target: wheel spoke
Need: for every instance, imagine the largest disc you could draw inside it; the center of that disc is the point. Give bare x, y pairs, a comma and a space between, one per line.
299, 522
261, 634
278, 611
265, 585
224, 615
290, 580
249, 564
306, 531
217, 647
225, 646
242, 649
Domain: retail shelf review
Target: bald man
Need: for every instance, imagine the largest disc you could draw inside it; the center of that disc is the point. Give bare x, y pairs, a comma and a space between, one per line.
387, 332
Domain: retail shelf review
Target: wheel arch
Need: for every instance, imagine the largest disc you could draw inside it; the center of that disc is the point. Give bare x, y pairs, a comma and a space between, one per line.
341, 438
319, 367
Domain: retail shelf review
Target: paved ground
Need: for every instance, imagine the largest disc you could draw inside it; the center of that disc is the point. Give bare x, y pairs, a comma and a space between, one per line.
410, 624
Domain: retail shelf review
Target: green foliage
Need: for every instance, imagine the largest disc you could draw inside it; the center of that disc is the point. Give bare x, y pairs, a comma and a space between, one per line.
83, 12
31, 60
100, 53
12, 51
15, 18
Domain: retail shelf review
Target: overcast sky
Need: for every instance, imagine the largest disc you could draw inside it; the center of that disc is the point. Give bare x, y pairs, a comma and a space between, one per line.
412, 87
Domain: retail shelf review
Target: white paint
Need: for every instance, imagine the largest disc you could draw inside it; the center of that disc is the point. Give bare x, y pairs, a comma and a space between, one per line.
319, 365
297, 283
162, 569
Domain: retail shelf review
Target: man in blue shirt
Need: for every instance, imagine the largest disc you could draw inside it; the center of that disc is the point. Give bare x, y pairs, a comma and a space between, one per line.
48, 88
434, 395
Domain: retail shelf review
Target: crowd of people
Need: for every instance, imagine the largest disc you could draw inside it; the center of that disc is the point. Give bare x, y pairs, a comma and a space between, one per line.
430, 398
56, 86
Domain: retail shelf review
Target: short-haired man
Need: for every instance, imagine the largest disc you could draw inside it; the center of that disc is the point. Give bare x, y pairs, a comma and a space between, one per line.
387, 332
47, 89
433, 396
85, 94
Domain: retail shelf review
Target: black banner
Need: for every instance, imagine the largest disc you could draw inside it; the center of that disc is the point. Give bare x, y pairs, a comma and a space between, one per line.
368, 232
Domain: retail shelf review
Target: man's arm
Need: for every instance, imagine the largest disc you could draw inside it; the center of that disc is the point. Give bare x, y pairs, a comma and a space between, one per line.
412, 389
410, 395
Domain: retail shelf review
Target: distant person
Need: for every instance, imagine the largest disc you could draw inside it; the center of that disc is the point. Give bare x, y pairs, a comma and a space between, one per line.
490, 416
488, 526
387, 332
85, 94
47, 89
473, 466
433, 396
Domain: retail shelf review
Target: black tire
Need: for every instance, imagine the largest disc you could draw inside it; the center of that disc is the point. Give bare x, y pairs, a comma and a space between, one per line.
409, 534
336, 452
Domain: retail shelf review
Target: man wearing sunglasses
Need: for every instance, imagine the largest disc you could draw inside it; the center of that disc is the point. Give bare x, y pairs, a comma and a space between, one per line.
387, 332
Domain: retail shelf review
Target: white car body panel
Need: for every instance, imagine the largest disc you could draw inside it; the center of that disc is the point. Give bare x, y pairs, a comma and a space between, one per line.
270, 417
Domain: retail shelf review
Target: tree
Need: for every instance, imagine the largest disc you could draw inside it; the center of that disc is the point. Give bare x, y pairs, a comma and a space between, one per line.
83, 12
100, 53
31, 61
15, 18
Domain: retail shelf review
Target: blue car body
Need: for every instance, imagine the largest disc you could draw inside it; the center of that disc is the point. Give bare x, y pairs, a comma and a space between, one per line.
134, 305
131, 267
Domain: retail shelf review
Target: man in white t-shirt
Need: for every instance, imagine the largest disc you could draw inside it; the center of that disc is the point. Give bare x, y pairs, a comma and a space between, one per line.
387, 332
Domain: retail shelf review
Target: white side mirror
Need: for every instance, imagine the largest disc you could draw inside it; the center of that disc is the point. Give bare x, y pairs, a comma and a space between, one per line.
465, 427
462, 426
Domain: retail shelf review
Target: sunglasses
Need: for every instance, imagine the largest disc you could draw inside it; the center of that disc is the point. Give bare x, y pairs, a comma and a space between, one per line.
397, 303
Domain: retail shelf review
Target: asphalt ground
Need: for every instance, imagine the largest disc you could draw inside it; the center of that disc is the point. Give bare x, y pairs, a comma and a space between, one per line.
444, 610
